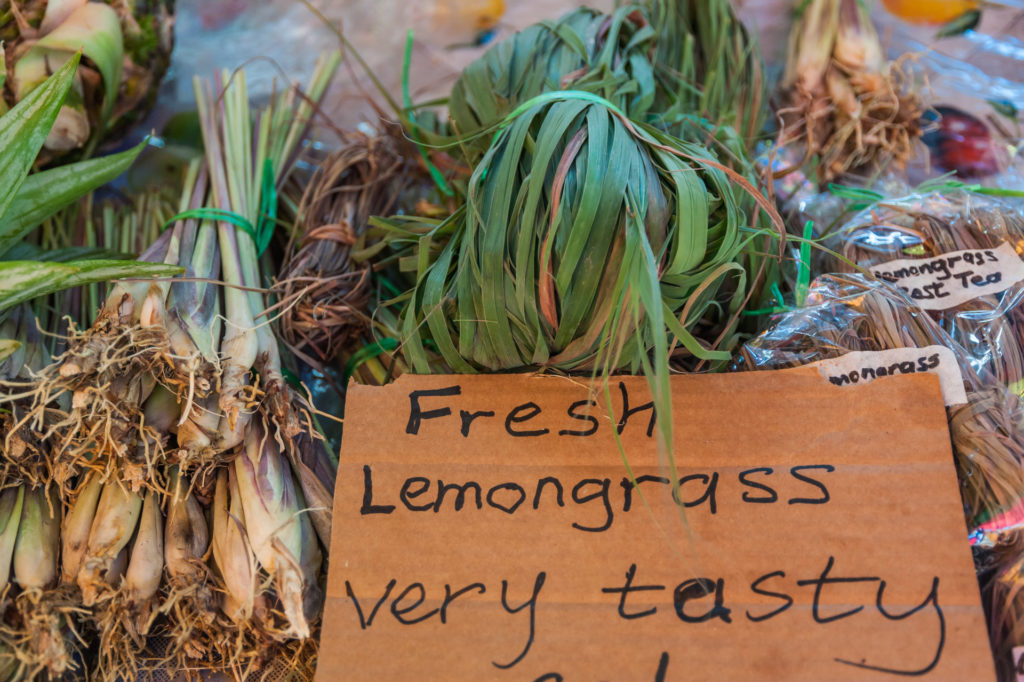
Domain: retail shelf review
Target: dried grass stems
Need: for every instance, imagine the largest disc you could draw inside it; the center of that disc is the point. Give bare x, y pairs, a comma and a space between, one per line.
848, 108
323, 294
990, 328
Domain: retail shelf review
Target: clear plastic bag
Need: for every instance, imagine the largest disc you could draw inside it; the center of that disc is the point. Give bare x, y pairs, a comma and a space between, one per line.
990, 327
846, 313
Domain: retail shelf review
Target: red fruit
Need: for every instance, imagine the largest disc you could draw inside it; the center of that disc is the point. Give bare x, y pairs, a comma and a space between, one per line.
962, 143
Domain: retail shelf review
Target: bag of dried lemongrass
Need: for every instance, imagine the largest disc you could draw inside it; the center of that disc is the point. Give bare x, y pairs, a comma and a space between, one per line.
864, 329
957, 252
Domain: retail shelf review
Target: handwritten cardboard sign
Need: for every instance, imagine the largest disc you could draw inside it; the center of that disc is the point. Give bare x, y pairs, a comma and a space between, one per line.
949, 280
486, 528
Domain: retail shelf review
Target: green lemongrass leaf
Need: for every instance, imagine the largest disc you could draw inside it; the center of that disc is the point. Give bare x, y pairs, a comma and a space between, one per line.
367, 352
1003, 107
8, 348
94, 29
45, 193
24, 280
967, 21
24, 128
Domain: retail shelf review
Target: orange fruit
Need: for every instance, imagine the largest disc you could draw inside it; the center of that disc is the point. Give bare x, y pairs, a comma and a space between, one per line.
930, 11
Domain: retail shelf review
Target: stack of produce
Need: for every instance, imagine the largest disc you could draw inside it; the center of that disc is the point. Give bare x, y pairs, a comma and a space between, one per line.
186, 493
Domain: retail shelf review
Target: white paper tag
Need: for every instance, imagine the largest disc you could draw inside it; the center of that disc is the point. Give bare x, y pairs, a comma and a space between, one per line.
954, 278
1018, 662
861, 367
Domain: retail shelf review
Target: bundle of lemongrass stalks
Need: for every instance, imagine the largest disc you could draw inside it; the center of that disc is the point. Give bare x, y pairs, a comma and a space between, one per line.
190, 492
841, 104
933, 223
847, 313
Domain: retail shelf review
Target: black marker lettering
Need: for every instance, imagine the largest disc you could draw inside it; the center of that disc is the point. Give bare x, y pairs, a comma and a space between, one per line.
602, 494
368, 506
795, 471
522, 413
820, 582
932, 597
468, 417
417, 415
548, 480
745, 480
697, 588
460, 497
450, 596
627, 487
399, 612
626, 589
755, 587
627, 412
367, 622
591, 430
532, 603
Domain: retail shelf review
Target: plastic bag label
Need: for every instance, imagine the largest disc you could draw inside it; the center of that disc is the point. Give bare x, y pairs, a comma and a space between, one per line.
861, 367
954, 278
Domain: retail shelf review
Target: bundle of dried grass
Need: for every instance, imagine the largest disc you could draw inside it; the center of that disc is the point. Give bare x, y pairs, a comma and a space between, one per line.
322, 293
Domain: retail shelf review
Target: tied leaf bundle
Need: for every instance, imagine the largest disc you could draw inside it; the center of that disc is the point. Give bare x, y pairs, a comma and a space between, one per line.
607, 55
709, 67
848, 107
687, 67
587, 244
324, 293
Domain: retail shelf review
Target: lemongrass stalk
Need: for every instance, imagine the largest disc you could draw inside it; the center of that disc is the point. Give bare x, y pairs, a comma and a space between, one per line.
186, 535
810, 50
11, 501
145, 568
76, 527
232, 554
240, 344
310, 561
199, 432
117, 514
38, 541
57, 11
274, 525
857, 47
317, 473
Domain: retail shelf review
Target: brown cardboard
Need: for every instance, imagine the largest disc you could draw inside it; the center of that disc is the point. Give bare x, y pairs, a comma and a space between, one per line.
893, 514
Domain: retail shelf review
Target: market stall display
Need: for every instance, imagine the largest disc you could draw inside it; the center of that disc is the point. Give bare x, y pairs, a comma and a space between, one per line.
617, 190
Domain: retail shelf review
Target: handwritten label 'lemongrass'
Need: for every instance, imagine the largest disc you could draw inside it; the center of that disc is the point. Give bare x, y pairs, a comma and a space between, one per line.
861, 367
956, 277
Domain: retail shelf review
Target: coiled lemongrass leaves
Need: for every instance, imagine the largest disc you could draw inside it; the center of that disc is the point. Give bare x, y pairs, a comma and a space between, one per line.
606, 54
587, 243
